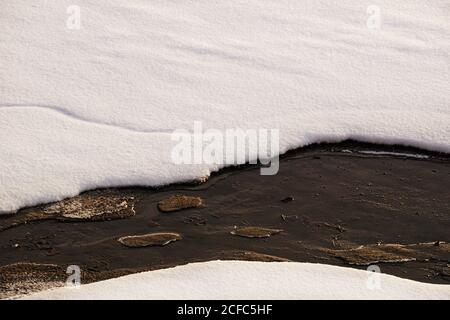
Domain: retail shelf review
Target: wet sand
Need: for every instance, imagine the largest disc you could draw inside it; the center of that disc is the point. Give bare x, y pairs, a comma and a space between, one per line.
325, 203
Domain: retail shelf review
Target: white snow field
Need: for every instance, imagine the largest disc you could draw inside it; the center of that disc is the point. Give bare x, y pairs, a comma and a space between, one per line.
252, 280
94, 107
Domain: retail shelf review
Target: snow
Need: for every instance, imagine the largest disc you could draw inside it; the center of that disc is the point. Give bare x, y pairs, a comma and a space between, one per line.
94, 107
252, 280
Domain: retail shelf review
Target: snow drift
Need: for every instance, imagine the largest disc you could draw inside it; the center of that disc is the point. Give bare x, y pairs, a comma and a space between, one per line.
252, 280
94, 107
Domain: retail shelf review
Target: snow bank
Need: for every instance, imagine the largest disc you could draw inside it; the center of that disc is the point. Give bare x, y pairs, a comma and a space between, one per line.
94, 107
252, 280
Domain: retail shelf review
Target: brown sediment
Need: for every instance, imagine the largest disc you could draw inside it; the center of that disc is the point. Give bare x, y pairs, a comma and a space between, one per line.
250, 256
393, 253
151, 239
94, 206
255, 232
179, 202
350, 209
20, 278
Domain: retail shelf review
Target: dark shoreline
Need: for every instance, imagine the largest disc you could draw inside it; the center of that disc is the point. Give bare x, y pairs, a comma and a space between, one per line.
342, 199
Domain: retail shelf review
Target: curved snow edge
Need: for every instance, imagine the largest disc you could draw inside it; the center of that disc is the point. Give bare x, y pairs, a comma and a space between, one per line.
252, 280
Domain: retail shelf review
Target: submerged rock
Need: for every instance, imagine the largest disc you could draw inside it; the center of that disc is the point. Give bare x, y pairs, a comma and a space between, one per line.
179, 202
287, 199
151, 239
392, 253
366, 255
23, 278
95, 206
252, 256
92, 208
255, 232
196, 219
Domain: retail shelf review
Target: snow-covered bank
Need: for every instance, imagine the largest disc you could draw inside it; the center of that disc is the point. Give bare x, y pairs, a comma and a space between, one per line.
252, 280
89, 108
